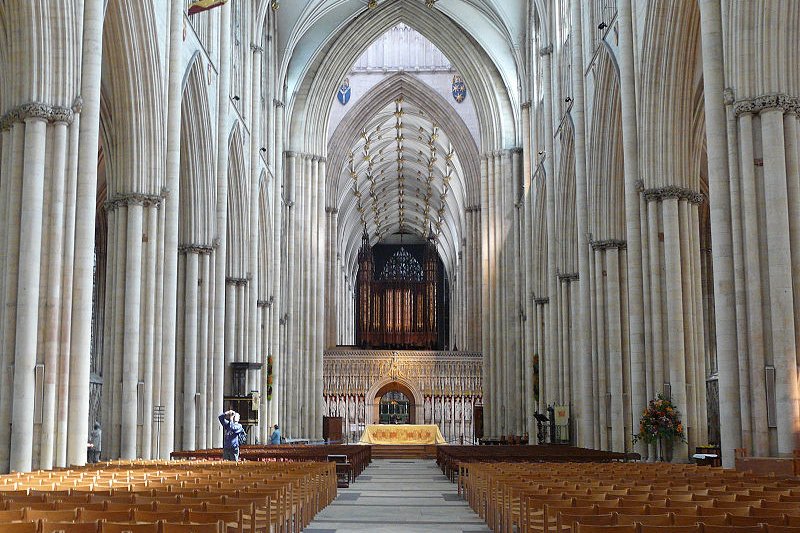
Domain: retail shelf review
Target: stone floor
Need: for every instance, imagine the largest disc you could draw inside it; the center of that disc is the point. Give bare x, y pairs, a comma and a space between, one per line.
399, 496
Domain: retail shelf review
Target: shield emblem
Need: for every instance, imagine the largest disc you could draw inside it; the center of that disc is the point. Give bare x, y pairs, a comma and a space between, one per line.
459, 89
343, 95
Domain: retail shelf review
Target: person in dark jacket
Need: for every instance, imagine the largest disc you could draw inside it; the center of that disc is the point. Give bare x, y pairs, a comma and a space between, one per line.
230, 439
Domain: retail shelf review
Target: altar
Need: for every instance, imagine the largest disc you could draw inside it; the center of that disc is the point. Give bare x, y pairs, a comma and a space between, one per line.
402, 434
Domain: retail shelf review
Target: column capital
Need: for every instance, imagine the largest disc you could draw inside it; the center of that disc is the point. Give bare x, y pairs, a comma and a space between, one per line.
289, 154
256, 48
541, 301
37, 110
567, 278
526, 105
658, 194
145, 200
277, 103
546, 50
199, 249
606, 244
765, 102
237, 282
332, 210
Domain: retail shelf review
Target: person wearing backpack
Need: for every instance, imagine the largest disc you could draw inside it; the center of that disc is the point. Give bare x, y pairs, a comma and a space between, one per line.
234, 435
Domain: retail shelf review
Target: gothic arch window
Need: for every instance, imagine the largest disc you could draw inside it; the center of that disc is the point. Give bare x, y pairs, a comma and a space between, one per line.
402, 266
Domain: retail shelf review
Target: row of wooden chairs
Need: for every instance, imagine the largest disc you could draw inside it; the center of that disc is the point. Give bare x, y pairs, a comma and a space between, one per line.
515, 497
568, 520
701, 527
269, 497
358, 455
103, 526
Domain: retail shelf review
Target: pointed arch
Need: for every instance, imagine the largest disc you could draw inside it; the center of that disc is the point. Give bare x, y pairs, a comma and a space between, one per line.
197, 184
310, 108
131, 87
665, 103
606, 181
238, 205
566, 255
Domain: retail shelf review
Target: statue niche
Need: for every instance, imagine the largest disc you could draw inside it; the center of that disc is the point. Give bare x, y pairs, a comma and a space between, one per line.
401, 297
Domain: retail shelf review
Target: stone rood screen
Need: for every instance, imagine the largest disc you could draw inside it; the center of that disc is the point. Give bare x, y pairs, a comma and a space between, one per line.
442, 388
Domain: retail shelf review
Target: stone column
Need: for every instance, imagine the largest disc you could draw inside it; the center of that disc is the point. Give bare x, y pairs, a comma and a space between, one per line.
739, 262
674, 306
11, 194
83, 280
633, 220
171, 207
130, 354
600, 326
583, 357
653, 209
54, 288
615, 366
152, 218
204, 340
320, 318
221, 245
780, 280
551, 340
190, 351
30, 249
485, 304
719, 191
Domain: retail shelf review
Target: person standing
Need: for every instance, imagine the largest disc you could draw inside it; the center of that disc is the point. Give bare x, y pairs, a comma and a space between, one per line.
231, 438
96, 443
275, 438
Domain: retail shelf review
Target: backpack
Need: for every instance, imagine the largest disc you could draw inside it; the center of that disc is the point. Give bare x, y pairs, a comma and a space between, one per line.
242, 438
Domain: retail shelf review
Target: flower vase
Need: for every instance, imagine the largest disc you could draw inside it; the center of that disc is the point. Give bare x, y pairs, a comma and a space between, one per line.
668, 450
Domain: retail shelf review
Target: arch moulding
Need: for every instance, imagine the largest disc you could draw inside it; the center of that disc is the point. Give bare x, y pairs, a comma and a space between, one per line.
379, 388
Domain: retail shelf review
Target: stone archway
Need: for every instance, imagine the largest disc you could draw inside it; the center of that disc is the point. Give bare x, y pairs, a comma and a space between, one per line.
376, 392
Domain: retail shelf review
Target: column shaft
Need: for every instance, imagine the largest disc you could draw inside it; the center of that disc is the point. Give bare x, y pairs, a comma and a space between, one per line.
780, 280
30, 249
130, 353
719, 199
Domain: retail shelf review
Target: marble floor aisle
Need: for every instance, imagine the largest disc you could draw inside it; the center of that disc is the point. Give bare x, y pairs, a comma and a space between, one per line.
399, 496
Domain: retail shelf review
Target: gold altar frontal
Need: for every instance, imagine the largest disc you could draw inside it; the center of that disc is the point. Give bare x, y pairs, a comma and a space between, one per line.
402, 434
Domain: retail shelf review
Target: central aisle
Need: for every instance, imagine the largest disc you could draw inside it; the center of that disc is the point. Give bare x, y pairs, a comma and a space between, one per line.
399, 496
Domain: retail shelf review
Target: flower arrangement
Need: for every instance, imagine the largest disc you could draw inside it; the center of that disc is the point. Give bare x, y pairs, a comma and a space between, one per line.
660, 420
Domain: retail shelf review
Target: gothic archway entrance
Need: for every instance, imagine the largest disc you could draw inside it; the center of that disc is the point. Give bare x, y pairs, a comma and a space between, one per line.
394, 391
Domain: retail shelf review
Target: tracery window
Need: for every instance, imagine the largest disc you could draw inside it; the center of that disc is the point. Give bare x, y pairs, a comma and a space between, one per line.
402, 266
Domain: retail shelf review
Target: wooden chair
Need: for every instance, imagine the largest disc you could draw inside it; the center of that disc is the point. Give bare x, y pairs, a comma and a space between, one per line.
708, 528
669, 529
218, 527
21, 527
650, 520
68, 527
41, 506
93, 515
12, 515
685, 520
232, 519
248, 514
565, 518
590, 528
772, 528
178, 506
140, 515
735, 520
591, 520
51, 516
129, 527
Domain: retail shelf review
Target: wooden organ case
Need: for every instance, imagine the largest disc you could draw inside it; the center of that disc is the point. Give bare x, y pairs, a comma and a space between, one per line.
404, 305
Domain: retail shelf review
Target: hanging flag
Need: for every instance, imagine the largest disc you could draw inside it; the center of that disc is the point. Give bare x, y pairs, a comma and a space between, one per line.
198, 6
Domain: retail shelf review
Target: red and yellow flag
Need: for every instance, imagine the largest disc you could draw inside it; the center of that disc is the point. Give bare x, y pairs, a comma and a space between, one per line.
198, 6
